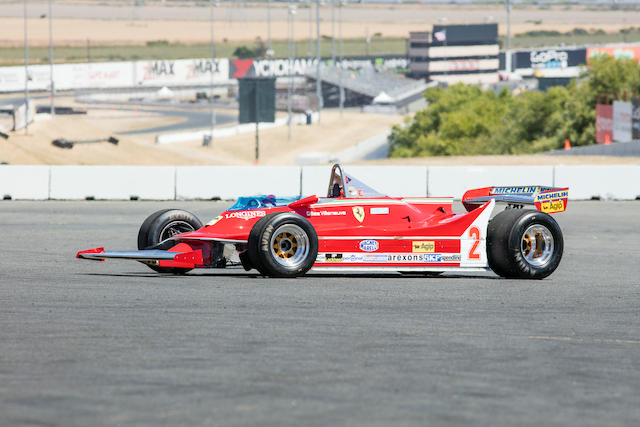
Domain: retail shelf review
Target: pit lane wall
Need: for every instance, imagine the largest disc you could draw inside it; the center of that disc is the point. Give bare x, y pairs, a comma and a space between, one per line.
228, 182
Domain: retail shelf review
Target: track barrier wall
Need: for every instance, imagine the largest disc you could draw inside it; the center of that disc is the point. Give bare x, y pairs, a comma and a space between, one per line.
228, 182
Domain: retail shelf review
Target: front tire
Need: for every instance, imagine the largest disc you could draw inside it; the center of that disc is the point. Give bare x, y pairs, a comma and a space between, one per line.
162, 225
524, 244
283, 245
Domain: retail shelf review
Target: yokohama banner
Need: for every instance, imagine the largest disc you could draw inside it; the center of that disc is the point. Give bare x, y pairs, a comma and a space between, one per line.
604, 123
241, 68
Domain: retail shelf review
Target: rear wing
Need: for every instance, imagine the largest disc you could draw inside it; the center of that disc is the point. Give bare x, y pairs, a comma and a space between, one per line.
545, 199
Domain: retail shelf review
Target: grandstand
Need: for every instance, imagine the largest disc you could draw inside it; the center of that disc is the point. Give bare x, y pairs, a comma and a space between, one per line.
367, 86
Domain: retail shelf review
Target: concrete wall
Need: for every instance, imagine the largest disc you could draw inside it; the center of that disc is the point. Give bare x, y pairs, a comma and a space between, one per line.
228, 182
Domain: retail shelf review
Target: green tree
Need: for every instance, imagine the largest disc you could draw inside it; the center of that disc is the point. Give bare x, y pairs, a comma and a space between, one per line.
463, 120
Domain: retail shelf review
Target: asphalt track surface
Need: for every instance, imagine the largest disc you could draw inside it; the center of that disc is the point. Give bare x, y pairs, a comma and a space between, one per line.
112, 343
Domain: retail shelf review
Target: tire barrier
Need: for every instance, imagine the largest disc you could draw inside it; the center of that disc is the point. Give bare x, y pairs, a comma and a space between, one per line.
228, 182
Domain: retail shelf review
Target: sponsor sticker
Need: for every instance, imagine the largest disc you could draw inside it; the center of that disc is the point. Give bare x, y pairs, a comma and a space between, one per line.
382, 258
369, 245
214, 220
353, 258
451, 257
333, 258
379, 211
552, 206
405, 258
246, 215
326, 213
516, 190
551, 195
432, 257
379, 258
423, 246
358, 213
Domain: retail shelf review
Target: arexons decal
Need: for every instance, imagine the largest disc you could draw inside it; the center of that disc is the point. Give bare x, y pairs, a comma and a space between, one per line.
405, 258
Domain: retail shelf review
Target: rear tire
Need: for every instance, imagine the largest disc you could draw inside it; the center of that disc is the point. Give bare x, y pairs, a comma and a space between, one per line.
524, 244
283, 245
163, 224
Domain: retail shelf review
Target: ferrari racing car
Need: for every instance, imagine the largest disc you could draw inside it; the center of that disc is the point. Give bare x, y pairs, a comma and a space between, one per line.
355, 228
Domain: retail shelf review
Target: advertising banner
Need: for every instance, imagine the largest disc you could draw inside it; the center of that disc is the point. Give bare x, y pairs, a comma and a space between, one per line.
621, 121
635, 119
181, 72
93, 75
11, 79
604, 123
282, 67
550, 58
624, 51
68, 76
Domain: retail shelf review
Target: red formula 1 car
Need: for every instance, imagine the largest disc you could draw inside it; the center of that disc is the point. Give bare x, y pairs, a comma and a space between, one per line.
355, 228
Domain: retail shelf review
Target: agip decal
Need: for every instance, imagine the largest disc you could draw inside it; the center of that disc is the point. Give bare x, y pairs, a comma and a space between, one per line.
421, 246
552, 206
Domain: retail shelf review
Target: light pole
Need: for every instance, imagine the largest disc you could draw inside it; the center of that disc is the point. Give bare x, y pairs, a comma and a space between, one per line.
507, 56
292, 54
311, 55
269, 46
26, 72
53, 89
341, 69
206, 142
333, 32
318, 82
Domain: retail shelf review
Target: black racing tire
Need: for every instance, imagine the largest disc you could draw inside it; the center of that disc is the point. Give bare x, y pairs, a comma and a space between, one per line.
524, 244
283, 244
163, 224
143, 233
254, 241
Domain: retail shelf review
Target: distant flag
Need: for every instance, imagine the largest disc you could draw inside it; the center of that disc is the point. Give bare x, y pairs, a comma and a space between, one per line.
440, 35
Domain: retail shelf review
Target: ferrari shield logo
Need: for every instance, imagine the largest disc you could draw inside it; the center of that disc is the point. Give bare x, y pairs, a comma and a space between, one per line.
358, 212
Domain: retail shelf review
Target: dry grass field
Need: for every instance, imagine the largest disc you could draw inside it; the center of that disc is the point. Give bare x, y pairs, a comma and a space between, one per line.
122, 23
331, 135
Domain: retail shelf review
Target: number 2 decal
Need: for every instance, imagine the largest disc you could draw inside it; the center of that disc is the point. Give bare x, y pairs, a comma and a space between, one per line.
474, 233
